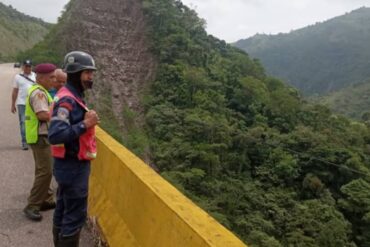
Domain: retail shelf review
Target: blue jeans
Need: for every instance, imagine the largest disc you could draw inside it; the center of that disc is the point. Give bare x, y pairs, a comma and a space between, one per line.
22, 118
72, 177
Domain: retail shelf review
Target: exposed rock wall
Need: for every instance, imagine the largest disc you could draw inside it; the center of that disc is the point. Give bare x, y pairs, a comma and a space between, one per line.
113, 31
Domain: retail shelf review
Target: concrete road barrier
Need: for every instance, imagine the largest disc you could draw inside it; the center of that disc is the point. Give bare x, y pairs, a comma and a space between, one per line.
134, 206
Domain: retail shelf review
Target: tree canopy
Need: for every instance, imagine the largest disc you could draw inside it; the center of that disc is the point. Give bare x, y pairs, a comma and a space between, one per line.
275, 170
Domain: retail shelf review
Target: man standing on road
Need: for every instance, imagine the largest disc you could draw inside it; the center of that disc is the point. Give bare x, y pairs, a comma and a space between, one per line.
59, 83
22, 82
37, 120
72, 135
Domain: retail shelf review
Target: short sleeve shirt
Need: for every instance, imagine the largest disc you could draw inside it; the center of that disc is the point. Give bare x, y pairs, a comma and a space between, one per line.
23, 84
39, 103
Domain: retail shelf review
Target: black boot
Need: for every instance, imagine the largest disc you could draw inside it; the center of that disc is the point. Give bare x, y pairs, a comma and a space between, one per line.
32, 213
70, 241
56, 231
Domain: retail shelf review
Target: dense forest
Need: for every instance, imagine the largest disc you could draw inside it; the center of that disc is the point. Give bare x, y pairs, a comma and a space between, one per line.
18, 32
276, 171
318, 59
246, 147
352, 101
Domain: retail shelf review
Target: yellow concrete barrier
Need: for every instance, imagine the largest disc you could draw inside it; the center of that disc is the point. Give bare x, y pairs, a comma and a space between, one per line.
134, 206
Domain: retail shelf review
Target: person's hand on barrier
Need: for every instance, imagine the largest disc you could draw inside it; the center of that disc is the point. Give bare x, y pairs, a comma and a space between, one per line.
91, 119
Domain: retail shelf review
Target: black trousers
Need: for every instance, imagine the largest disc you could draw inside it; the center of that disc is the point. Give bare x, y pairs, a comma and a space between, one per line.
72, 177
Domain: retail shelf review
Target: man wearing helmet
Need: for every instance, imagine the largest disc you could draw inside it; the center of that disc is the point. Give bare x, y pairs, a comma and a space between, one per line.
72, 136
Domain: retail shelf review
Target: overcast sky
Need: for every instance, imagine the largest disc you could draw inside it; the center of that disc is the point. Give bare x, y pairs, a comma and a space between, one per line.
231, 19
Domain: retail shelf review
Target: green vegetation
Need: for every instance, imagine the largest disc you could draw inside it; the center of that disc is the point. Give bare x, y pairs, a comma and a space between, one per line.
353, 101
108, 121
318, 59
18, 32
244, 146
52, 48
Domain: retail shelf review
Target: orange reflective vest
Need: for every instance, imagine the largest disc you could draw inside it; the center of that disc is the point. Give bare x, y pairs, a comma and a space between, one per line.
87, 140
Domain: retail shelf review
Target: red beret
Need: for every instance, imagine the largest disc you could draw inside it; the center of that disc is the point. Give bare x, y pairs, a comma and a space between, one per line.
45, 68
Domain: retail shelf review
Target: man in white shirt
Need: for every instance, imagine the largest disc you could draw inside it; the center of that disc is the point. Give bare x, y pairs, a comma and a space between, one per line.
22, 82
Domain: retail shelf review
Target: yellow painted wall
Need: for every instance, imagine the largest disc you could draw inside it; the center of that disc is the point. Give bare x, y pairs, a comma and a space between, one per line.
135, 206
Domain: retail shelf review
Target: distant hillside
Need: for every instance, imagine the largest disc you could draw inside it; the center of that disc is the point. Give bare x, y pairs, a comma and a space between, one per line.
318, 59
353, 101
19, 31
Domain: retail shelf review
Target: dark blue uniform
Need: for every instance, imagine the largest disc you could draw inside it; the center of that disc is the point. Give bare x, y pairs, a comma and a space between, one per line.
71, 174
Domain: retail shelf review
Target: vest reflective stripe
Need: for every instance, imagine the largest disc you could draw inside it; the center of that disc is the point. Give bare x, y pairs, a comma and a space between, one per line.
32, 122
87, 140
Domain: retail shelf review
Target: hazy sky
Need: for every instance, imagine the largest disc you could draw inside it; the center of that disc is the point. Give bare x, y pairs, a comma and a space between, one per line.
231, 19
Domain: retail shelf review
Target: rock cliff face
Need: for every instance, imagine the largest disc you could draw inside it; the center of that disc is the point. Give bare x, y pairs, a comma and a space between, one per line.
113, 32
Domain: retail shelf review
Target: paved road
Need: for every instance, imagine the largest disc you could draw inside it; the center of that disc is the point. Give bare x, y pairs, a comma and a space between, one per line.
16, 177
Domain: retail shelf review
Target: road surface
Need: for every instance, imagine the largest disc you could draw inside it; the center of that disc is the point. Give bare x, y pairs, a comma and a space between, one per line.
16, 178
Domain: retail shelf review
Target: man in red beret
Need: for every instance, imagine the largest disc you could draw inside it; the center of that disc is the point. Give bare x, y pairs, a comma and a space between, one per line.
37, 119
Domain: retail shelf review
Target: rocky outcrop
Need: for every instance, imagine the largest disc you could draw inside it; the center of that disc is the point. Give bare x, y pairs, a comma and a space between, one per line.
113, 31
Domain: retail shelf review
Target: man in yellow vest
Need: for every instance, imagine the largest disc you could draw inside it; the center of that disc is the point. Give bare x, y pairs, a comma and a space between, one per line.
37, 120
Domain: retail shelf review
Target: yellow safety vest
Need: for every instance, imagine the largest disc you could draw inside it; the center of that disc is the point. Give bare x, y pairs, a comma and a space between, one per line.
32, 122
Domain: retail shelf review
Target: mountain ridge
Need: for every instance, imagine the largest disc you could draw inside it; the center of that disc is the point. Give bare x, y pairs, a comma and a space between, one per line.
319, 58
19, 31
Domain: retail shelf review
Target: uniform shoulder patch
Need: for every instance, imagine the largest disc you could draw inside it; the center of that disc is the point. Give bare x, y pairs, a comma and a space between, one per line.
62, 114
41, 95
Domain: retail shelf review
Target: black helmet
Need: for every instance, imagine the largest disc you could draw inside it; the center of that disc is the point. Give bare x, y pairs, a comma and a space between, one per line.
27, 62
77, 61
